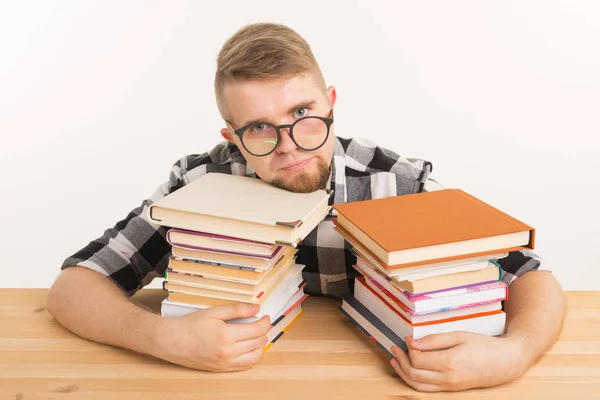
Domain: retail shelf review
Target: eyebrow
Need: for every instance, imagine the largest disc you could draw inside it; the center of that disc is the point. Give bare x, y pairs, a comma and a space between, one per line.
307, 104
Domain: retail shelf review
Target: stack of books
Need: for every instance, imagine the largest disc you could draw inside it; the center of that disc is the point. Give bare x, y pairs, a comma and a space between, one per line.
427, 264
234, 239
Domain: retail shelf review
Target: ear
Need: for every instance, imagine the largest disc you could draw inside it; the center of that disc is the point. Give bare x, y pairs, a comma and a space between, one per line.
332, 94
227, 135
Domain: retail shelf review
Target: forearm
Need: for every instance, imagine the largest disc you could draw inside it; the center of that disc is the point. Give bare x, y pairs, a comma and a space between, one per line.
535, 312
91, 306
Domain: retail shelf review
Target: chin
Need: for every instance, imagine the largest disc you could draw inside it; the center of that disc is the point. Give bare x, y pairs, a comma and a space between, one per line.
303, 181
299, 184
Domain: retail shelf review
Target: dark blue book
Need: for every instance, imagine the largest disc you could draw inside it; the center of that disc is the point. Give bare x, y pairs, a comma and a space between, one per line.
372, 326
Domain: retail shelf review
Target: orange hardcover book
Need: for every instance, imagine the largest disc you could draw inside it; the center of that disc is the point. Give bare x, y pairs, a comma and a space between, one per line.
431, 227
376, 262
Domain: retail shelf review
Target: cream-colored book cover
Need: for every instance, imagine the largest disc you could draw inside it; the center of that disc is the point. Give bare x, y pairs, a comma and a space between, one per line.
242, 207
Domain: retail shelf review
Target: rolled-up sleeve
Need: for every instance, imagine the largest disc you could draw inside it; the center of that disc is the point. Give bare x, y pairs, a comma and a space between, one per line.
518, 263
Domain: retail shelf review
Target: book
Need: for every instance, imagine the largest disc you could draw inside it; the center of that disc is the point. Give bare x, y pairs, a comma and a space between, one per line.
281, 325
230, 274
230, 260
387, 288
421, 267
372, 326
447, 278
432, 273
197, 269
274, 308
208, 298
427, 270
434, 315
487, 323
242, 207
249, 289
456, 280
432, 227
220, 244
443, 300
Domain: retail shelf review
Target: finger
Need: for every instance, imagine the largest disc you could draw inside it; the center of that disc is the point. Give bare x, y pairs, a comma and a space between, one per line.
431, 360
250, 345
422, 387
417, 374
247, 331
247, 359
233, 311
439, 341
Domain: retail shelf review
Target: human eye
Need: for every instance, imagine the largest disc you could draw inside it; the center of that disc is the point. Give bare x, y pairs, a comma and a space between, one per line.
259, 127
301, 112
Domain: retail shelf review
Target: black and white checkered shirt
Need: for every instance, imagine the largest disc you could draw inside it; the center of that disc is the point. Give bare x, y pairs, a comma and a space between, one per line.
135, 251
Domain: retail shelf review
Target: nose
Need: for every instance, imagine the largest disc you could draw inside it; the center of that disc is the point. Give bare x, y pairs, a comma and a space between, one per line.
286, 144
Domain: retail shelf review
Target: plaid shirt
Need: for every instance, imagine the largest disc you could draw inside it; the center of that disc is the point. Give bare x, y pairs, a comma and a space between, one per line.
135, 251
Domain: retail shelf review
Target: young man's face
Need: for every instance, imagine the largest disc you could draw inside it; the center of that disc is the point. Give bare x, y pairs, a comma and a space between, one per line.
280, 102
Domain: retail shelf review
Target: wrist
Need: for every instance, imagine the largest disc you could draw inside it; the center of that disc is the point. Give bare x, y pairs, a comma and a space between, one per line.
516, 344
149, 327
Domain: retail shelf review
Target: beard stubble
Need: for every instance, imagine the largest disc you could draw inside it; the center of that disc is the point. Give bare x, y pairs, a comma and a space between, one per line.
305, 182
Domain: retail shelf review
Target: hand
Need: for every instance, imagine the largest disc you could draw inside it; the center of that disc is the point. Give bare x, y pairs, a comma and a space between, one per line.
457, 360
203, 340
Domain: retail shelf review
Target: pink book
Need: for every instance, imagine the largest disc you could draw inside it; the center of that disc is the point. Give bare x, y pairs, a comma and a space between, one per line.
446, 300
195, 240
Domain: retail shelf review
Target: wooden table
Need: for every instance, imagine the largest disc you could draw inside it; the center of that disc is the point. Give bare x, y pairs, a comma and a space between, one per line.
322, 356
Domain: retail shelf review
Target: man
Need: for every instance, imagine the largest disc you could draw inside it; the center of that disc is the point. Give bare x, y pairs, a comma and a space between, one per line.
268, 85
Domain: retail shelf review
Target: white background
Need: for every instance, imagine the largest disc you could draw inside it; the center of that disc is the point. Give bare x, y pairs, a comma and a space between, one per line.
99, 99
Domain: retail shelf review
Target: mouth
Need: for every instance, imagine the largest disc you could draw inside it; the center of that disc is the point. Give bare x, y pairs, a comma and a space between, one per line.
296, 165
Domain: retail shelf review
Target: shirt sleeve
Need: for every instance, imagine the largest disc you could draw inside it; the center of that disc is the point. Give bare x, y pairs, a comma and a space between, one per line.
134, 251
516, 263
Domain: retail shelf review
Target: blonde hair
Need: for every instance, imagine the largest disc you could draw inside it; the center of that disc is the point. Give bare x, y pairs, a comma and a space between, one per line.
263, 51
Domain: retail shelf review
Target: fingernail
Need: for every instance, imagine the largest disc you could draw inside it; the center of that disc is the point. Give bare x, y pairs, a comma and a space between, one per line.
413, 340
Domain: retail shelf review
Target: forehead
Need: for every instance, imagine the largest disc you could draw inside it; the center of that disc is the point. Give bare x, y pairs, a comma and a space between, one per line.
268, 99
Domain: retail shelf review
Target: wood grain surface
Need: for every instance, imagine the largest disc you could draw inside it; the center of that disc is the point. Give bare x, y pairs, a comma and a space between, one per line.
322, 356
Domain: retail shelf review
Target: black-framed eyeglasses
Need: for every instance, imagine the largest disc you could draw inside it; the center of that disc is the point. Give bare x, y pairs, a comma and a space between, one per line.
308, 133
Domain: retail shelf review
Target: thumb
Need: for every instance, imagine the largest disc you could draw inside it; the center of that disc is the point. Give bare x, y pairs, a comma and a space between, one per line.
439, 341
232, 311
